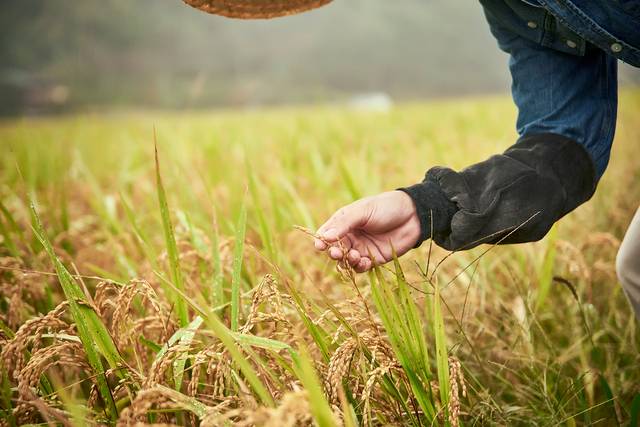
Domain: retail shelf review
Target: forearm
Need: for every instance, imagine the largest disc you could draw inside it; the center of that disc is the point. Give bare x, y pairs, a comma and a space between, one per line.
520, 193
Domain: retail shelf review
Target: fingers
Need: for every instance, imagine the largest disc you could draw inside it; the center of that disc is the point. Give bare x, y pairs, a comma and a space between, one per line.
344, 253
339, 250
357, 261
334, 237
319, 244
353, 257
335, 253
364, 264
343, 221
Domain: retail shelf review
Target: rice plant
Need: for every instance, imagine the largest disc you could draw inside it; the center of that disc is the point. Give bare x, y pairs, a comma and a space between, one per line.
157, 268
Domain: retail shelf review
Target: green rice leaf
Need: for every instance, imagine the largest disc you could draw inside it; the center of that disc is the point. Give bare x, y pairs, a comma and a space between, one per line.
320, 337
217, 291
414, 323
545, 273
141, 237
172, 249
394, 321
228, 340
237, 265
8, 241
150, 344
613, 416
262, 342
354, 192
265, 230
185, 402
635, 411
92, 332
320, 409
12, 225
442, 359
185, 336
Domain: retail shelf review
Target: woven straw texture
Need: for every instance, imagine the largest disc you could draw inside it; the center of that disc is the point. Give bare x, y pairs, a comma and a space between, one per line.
255, 9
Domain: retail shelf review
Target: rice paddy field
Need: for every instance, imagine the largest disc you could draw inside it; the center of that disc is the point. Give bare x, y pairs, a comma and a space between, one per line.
184, 288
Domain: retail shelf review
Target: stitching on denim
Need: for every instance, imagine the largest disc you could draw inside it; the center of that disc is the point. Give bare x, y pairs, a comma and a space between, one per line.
594, 27
546, 35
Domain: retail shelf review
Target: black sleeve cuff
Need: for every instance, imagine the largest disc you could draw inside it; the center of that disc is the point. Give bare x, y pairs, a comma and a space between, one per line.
519, 194
433, 208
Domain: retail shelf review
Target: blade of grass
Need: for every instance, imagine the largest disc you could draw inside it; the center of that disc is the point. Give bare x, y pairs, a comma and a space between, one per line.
354, 192
92, 332
150, 344
303, 211
172, 249
185, 336
634, 420
349, 415
415, 327
179, 335
610, 399
545, 273
390, 312
8, 241
194, 232
187, 299
185, 402
6, 409
100, 201
237, 265
265, 231
217, 290
306, 373
262, 342
11, 222
142, 239
317, 333
227, 339
442, 359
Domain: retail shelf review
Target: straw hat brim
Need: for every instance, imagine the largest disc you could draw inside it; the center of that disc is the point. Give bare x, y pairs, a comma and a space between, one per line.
255, 9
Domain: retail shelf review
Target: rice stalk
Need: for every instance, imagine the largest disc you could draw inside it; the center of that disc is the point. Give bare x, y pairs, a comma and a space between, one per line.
320, 408
92, 332
266, 236
172, 249
398, 330
226, 337
238, 253
545, 272
217, 286
442, 358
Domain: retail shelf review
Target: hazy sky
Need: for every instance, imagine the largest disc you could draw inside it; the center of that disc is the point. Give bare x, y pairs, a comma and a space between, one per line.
164, 53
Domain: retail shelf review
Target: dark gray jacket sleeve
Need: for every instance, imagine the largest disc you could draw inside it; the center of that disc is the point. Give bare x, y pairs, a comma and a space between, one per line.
530, 186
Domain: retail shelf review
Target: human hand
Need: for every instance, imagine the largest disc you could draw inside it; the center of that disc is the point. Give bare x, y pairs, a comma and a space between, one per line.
370, 229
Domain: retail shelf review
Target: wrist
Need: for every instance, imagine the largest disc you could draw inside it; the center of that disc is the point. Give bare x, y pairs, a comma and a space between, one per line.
433, 210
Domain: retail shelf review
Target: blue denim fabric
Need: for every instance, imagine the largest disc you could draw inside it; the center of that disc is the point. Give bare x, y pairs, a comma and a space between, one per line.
612, 25
563, 83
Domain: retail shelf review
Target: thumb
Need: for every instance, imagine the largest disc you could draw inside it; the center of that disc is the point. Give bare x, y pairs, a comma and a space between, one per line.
343, 221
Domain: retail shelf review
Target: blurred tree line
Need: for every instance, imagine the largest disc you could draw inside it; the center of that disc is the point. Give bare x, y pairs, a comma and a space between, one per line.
59, 55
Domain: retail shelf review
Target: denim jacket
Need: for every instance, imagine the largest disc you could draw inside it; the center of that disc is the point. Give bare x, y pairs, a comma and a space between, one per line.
563, 62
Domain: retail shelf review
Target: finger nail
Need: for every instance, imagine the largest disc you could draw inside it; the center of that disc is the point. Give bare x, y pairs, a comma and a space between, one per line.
330, 234
319, 244
335, 253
